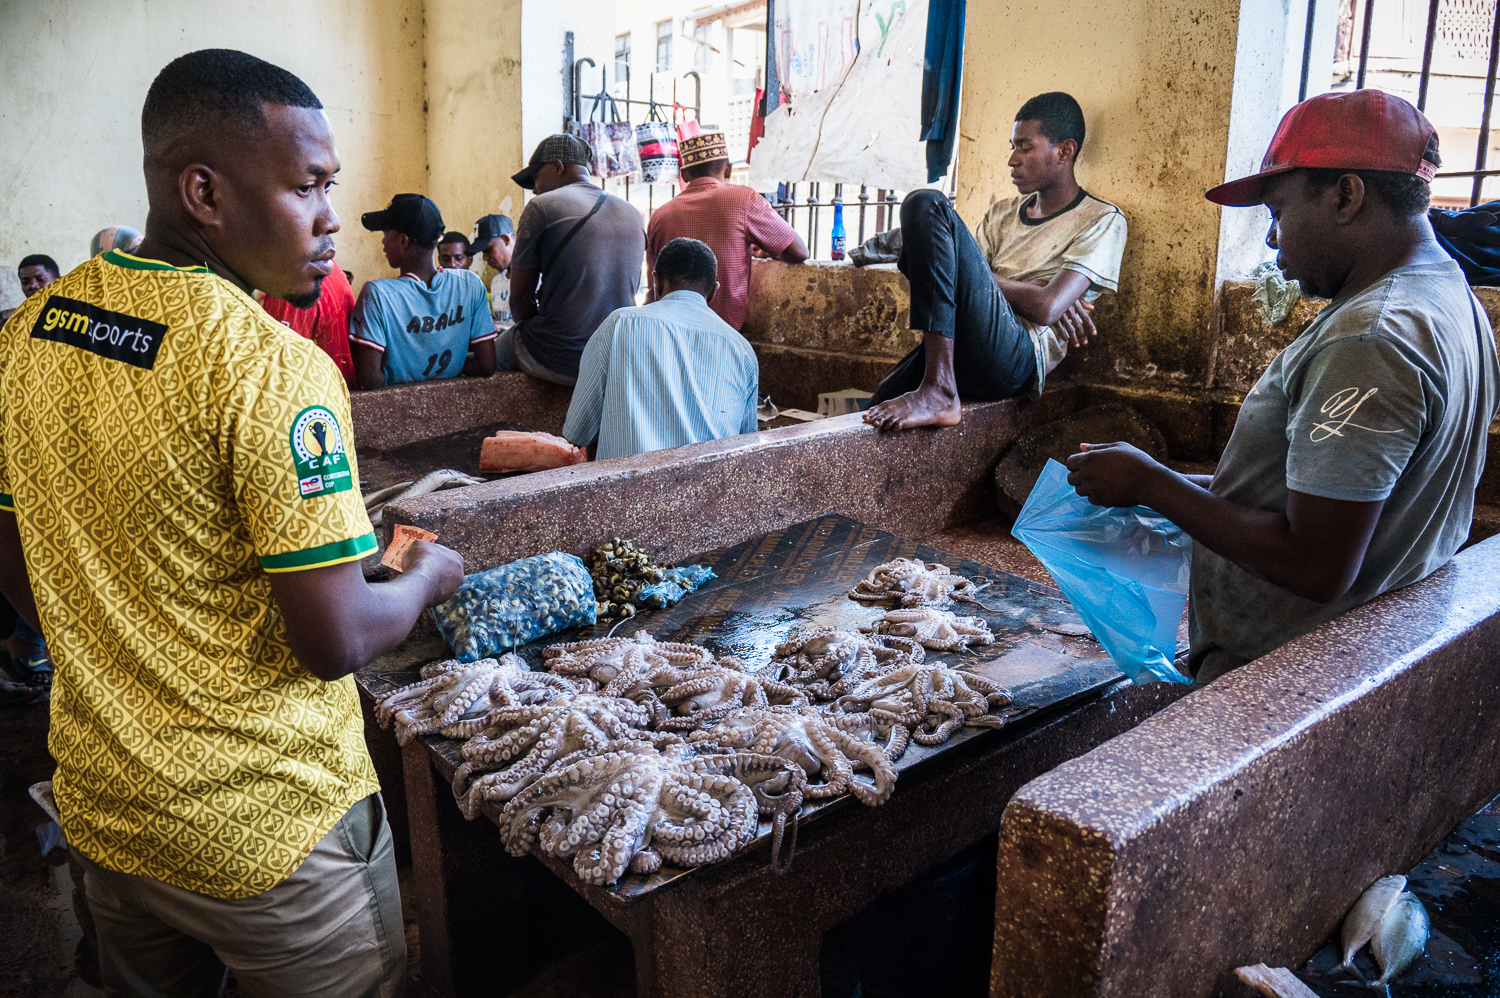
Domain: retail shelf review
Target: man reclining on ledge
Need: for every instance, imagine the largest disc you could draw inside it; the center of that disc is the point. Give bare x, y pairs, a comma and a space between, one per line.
997, 315
1352, 467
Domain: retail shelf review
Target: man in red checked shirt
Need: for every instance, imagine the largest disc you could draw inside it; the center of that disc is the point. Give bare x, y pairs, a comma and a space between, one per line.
728, 217
326, 323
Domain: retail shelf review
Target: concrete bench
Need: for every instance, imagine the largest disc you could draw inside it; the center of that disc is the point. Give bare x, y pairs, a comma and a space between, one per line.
1238, 825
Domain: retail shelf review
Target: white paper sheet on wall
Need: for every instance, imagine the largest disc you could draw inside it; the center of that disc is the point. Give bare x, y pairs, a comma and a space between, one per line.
860, 131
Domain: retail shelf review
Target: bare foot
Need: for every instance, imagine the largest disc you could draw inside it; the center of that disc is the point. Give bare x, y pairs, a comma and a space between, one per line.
927, 406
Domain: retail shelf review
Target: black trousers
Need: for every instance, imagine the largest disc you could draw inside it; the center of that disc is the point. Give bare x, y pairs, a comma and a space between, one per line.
954, 293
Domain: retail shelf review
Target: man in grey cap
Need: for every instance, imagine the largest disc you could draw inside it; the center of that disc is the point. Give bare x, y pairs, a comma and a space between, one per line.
583, 247
495, 240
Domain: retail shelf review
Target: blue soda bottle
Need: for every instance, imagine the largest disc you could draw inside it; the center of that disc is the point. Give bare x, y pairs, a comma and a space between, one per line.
838, 236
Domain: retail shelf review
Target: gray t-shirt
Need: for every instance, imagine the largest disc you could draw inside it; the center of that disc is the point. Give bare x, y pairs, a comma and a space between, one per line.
1388, 395
597, 272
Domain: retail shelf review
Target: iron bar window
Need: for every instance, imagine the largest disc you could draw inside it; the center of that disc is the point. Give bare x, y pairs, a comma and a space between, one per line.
1444, 62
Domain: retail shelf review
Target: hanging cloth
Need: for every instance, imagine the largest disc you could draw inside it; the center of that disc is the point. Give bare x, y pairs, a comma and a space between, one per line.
942, 74
1472, 237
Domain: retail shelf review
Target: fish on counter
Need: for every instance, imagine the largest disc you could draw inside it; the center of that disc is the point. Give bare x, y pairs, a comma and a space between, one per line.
525, 450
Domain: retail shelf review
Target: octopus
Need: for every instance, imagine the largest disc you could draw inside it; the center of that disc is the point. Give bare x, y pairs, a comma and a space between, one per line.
600, 662
634, 804
932, 700
913, 583
827, 746
686, 699
829, 663
940, 630
454, 697
519, 743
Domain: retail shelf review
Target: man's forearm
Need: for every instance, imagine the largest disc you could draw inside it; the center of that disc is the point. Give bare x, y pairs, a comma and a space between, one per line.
1262, 542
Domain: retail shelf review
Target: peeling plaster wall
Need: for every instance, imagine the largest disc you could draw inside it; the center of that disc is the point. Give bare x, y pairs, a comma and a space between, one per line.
76, 73
474, 108
1154, 80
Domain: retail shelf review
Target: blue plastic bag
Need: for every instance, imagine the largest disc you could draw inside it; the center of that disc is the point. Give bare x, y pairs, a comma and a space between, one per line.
514, 604
674, 585
1124, 570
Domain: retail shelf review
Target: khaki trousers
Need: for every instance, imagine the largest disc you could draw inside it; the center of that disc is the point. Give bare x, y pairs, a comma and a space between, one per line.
332, 928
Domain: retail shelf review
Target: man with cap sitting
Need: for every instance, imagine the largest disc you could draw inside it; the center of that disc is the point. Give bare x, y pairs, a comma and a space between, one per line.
1352, 467
419, 326
728, 217
582, 246
495, 240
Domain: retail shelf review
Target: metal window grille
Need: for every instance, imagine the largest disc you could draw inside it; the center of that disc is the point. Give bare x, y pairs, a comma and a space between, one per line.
663, 46
1440, 54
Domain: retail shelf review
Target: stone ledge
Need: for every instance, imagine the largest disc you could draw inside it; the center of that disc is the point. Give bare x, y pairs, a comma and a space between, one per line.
1245, 345
830, 306
1271, 798
387, 418
688, 499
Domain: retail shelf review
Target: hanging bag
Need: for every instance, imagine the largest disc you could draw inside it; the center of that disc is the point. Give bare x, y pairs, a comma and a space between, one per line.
656, 141
612, 142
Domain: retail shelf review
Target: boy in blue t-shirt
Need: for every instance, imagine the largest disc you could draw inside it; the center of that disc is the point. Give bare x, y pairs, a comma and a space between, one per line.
419, 326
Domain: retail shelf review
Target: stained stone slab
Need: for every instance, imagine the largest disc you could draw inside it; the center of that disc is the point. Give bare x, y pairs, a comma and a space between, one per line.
386, 419
1238, 825
1022, 465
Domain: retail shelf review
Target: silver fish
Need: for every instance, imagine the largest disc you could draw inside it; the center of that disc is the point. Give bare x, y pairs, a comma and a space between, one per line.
433, 481
1364, 918
1401, 937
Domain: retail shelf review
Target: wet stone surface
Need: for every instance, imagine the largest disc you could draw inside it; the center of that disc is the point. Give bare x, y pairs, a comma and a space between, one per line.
771, 585
1459, 884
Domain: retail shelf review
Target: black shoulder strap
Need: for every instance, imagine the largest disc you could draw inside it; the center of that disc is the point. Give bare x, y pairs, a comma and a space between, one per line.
547, 264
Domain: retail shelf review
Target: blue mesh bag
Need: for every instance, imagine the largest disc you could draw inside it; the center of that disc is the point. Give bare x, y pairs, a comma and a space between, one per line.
1124, 570
509, 606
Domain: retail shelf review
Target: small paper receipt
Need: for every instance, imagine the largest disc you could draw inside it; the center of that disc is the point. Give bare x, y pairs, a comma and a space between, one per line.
396, 553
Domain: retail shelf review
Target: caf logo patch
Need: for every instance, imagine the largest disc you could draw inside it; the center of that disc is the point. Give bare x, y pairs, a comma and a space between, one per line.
318, 450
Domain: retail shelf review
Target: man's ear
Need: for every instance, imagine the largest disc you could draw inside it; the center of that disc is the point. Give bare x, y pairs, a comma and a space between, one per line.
1067, 151
710, 296
198, 187
1351, 196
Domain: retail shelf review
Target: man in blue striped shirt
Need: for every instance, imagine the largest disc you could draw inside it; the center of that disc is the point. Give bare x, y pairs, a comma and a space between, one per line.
665, 374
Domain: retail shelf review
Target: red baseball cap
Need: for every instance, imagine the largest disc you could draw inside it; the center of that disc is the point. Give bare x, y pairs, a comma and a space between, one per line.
1363, 130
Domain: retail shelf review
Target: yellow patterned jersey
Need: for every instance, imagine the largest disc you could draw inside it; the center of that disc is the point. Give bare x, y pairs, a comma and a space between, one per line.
165, 444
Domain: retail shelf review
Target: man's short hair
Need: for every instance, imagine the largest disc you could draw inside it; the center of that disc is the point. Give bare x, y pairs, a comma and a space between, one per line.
215, 90
1059, 115
688, 262
455, 237
40, 260
1406, 194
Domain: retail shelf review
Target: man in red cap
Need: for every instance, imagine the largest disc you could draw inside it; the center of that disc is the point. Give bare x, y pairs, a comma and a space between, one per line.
1352, 466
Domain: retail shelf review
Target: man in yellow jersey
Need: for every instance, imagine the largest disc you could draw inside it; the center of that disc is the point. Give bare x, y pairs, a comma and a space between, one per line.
178, 489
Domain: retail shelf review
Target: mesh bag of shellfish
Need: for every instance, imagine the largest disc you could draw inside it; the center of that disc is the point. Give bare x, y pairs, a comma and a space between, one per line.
514, 604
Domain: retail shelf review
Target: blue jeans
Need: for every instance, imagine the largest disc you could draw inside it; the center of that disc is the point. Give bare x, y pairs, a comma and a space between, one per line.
953, 293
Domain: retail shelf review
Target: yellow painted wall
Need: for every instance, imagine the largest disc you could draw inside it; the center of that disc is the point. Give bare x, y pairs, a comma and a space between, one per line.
474, 107
1154, 80
75, 73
